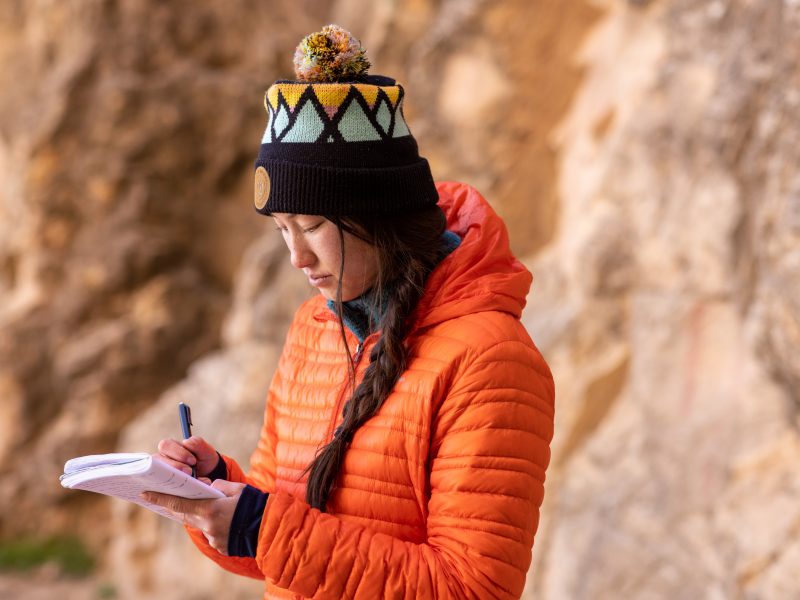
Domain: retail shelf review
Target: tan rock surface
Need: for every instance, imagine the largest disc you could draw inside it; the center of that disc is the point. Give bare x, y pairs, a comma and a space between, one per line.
643, 153
226, 391
668, 311
124, 211
261, 303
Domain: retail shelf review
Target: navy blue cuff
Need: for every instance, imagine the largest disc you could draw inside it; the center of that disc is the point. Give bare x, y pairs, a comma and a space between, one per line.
220, 471
243, 537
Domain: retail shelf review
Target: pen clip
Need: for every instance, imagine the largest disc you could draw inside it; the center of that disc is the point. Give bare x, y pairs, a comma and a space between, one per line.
185, 414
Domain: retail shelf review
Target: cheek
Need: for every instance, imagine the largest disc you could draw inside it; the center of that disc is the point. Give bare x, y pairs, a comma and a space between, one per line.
331, 252
364, 264
327, 249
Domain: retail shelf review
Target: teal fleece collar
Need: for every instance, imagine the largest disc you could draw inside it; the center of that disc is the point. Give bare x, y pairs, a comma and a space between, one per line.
360, 315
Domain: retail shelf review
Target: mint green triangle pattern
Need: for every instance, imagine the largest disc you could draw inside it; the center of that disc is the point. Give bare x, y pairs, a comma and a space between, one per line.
400, 127
281, 120
307, 125
355, 126
383, 116
267, 137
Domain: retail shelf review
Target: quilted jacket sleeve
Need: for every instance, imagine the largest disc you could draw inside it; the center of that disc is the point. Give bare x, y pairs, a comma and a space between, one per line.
490, 449
238, 565
262, 466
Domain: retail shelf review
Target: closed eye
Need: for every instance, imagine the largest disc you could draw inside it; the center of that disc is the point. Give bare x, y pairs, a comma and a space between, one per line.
313, 228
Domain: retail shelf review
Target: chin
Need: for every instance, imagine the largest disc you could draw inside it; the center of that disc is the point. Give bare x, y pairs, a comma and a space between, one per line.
331, 295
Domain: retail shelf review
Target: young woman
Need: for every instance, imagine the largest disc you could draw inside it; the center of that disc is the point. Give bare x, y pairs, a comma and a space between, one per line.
407, 427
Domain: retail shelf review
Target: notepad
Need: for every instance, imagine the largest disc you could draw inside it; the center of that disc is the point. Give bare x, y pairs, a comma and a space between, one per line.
126, 475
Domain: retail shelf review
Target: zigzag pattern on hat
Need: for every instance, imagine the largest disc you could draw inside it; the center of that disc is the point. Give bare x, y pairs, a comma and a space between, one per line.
351, 112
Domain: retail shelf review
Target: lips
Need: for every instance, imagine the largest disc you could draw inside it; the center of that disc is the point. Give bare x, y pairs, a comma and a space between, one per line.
318, 279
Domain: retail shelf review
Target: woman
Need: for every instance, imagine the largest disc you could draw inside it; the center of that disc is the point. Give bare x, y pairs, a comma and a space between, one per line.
407, 427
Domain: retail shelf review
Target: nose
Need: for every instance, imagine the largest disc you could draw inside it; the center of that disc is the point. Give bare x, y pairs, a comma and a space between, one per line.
301, 255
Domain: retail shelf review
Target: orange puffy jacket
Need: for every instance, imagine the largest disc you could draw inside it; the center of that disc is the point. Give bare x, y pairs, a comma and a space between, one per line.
440, 491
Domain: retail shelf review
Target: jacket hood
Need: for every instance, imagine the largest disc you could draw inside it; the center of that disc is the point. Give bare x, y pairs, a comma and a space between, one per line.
481, 274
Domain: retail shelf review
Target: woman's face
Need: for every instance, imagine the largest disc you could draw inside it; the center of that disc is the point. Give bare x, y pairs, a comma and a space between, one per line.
314, 247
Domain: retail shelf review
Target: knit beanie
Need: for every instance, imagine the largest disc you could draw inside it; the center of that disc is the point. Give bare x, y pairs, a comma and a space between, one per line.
336, 141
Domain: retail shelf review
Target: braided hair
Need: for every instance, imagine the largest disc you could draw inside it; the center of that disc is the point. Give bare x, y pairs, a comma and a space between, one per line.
408, 249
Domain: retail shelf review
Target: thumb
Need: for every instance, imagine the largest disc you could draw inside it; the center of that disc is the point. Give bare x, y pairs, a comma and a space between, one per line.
175, 504
229, 488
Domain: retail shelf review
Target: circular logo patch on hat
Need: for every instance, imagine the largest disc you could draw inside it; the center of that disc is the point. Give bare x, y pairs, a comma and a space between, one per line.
262, 188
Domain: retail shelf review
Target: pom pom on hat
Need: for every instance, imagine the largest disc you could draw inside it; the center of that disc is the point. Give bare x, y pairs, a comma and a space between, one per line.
336, 141
330, 55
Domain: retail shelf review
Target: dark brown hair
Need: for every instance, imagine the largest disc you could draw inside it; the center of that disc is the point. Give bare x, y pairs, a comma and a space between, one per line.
409, 247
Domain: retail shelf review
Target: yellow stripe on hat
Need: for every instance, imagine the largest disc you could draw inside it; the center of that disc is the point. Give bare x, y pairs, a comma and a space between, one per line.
272, 97
393, 92
370, 93
331, 96
291, 93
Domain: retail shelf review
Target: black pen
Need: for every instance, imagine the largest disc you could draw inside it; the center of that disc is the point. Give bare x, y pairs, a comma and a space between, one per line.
186, 425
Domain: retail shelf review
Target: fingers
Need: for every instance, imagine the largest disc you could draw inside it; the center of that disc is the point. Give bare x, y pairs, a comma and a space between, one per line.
229, 488
174, 463
217, 532
217, 544
200, 448
179, 506
205, 453
188, 453
211, 517
174, 451
199, 514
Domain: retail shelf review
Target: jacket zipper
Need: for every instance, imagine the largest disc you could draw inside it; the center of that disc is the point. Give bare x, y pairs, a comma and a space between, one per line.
340, 398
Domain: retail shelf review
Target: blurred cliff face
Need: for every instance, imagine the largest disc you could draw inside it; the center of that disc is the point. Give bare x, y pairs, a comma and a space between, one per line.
643, 154
127, 130
128, 135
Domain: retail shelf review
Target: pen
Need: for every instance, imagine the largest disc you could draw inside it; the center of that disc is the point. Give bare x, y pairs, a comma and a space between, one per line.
185, 414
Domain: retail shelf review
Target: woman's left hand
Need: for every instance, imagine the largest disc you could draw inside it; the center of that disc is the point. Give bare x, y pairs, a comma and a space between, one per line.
213, 517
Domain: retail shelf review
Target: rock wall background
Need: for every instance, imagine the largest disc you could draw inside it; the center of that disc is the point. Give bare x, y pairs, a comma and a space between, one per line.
643, 154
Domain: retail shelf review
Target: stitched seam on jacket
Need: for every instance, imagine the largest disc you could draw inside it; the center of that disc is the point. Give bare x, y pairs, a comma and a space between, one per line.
365, 491
396, 523
491, 428
495, 361
407, 486
514, 402
471, 518
460, 491
535, 477
405, 459
494, 533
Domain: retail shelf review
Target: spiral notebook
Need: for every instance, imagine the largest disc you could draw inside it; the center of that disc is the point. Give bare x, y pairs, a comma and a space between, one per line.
126, 475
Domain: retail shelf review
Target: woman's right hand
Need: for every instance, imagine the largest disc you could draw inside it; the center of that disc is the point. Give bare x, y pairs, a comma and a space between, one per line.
185, 454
